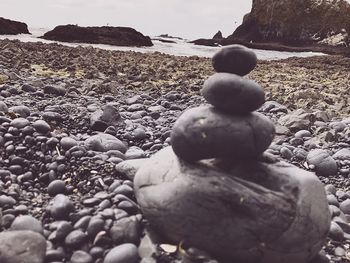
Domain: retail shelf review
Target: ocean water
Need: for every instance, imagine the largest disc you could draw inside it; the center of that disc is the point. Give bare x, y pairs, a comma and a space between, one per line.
180, 48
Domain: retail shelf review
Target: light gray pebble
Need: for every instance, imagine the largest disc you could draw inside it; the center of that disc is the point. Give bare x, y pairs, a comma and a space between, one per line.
332, 200
41, 126
342, 154
19, 123
324, 164
22, 110
68, 143
330, 189
3, 107
22, 246
135, 152
125, 253
345, 206
27, 222
302, 134
336, 232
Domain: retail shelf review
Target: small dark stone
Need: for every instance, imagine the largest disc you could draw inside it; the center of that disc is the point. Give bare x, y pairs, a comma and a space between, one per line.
60, 207
55, 90
96, 252
56, 187
125, 253
96, 225
81, 256
63, 229
101, 119
55, 255
126, 230
41, 126
75, 238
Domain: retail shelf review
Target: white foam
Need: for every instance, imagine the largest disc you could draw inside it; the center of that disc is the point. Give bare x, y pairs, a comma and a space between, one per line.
180, 48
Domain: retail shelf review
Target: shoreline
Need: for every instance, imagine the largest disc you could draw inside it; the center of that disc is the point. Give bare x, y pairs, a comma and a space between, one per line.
275, 46
181, 48
295, 74
49, 94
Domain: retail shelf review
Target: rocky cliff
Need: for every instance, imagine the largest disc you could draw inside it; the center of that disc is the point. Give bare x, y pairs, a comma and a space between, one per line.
118, 36
10, 27
296, 22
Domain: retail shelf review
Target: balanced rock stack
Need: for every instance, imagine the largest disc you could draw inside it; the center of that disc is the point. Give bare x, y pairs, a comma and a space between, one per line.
215, 190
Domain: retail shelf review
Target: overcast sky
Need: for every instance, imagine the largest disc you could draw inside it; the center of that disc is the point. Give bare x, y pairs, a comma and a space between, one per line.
190, 19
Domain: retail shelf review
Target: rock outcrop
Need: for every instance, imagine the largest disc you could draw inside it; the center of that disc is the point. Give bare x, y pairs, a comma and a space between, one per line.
10, 27
117, 36
296, 22
292, 25
218, 35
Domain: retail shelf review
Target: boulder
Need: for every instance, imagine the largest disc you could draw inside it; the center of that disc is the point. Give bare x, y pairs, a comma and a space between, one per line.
22, 246
117, 36
244, 212
218, 35
108, 116
10, 27
296, 22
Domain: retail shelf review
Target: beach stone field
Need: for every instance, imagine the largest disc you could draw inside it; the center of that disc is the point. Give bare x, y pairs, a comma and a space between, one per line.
88, 137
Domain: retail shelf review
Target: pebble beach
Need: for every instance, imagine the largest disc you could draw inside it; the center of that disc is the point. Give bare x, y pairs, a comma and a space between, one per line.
75, 122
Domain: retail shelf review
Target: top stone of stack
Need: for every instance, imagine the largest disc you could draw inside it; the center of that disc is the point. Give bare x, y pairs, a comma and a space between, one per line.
235, 59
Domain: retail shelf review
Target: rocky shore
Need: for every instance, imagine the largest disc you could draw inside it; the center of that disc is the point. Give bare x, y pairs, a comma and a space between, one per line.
75, 121
322, 26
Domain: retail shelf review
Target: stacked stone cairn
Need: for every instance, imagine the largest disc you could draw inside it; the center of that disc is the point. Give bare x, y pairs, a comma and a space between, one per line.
216, 190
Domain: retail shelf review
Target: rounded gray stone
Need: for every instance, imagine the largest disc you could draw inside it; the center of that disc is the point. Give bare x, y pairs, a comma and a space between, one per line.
3, 107
324, 164
60, 207
252, 212
22, 246
41, 126
56, 187
67, 143
103, 142
342, 154
27, 222
204, 132
345, 206
22, 110
234, 59
81, 256
125, 253
19, 123
233, 94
